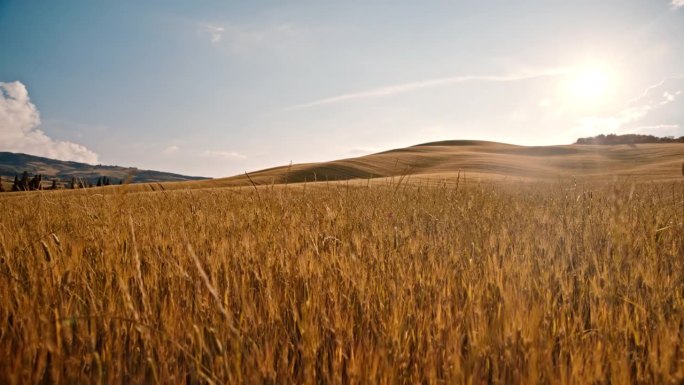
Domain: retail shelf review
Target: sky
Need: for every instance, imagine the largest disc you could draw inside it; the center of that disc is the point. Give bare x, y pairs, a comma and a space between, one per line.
215, 88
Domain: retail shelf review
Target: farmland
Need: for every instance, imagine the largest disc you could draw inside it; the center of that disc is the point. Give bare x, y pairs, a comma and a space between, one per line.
566, 281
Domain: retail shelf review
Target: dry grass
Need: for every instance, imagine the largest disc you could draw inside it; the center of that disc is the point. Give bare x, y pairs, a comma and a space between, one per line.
485, 161
517, 283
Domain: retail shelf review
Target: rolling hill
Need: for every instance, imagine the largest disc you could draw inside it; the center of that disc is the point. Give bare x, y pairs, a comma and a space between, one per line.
12, 164
435, 161
483, 160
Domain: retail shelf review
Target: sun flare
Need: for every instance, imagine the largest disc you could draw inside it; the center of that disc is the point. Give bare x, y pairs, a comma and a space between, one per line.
590, 85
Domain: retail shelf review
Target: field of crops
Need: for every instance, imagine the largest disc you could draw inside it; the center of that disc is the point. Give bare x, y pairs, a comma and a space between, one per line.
558, 282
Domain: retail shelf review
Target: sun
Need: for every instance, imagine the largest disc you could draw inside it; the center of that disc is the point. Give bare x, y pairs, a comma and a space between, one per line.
590, 85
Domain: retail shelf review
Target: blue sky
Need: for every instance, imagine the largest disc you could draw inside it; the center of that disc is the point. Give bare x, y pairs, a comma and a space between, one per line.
216, 88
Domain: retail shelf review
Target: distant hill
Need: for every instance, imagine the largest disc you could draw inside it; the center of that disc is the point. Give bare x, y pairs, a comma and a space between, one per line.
430, 162
480, 160
12, 164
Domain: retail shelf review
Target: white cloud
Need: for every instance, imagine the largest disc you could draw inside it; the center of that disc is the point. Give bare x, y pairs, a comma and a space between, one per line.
19, 132
677, 3
243, 38
360, 151
657, 130
222, 154
412, 86
170, 150
215, 32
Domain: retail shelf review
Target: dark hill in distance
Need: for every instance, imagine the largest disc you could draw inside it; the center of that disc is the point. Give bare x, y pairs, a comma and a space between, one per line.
12, 164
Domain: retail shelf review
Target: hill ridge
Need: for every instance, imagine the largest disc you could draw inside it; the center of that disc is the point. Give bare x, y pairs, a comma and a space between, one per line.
15, 163
485, 160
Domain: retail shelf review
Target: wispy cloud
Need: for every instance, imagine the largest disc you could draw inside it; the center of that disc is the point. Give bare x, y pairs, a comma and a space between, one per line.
19, 132
430, 83
170, 150
215, 32
364, 150
219, 154
242, 38
657, 129
677, 4
659, 109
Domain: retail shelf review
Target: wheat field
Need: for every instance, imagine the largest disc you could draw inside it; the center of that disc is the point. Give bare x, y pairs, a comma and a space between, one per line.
563, 282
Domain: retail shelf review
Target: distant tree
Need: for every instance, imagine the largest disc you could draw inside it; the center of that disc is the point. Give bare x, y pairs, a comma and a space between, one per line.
72, 184
36, 183
2, 188
106, 181
99, 182
54, 185
15, 185
24, 181
613, 139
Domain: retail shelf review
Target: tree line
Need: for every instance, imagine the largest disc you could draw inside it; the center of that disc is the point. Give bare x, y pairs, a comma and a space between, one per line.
612, 139
27, 182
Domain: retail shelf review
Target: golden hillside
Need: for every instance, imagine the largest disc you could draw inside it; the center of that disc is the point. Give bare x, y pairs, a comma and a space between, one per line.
483, 161
471, 160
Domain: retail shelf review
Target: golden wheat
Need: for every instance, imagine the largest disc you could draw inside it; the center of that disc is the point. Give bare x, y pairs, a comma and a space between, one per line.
543, 283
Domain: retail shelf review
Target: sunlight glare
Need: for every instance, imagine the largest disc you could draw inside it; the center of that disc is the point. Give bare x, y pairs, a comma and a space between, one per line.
590, 85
